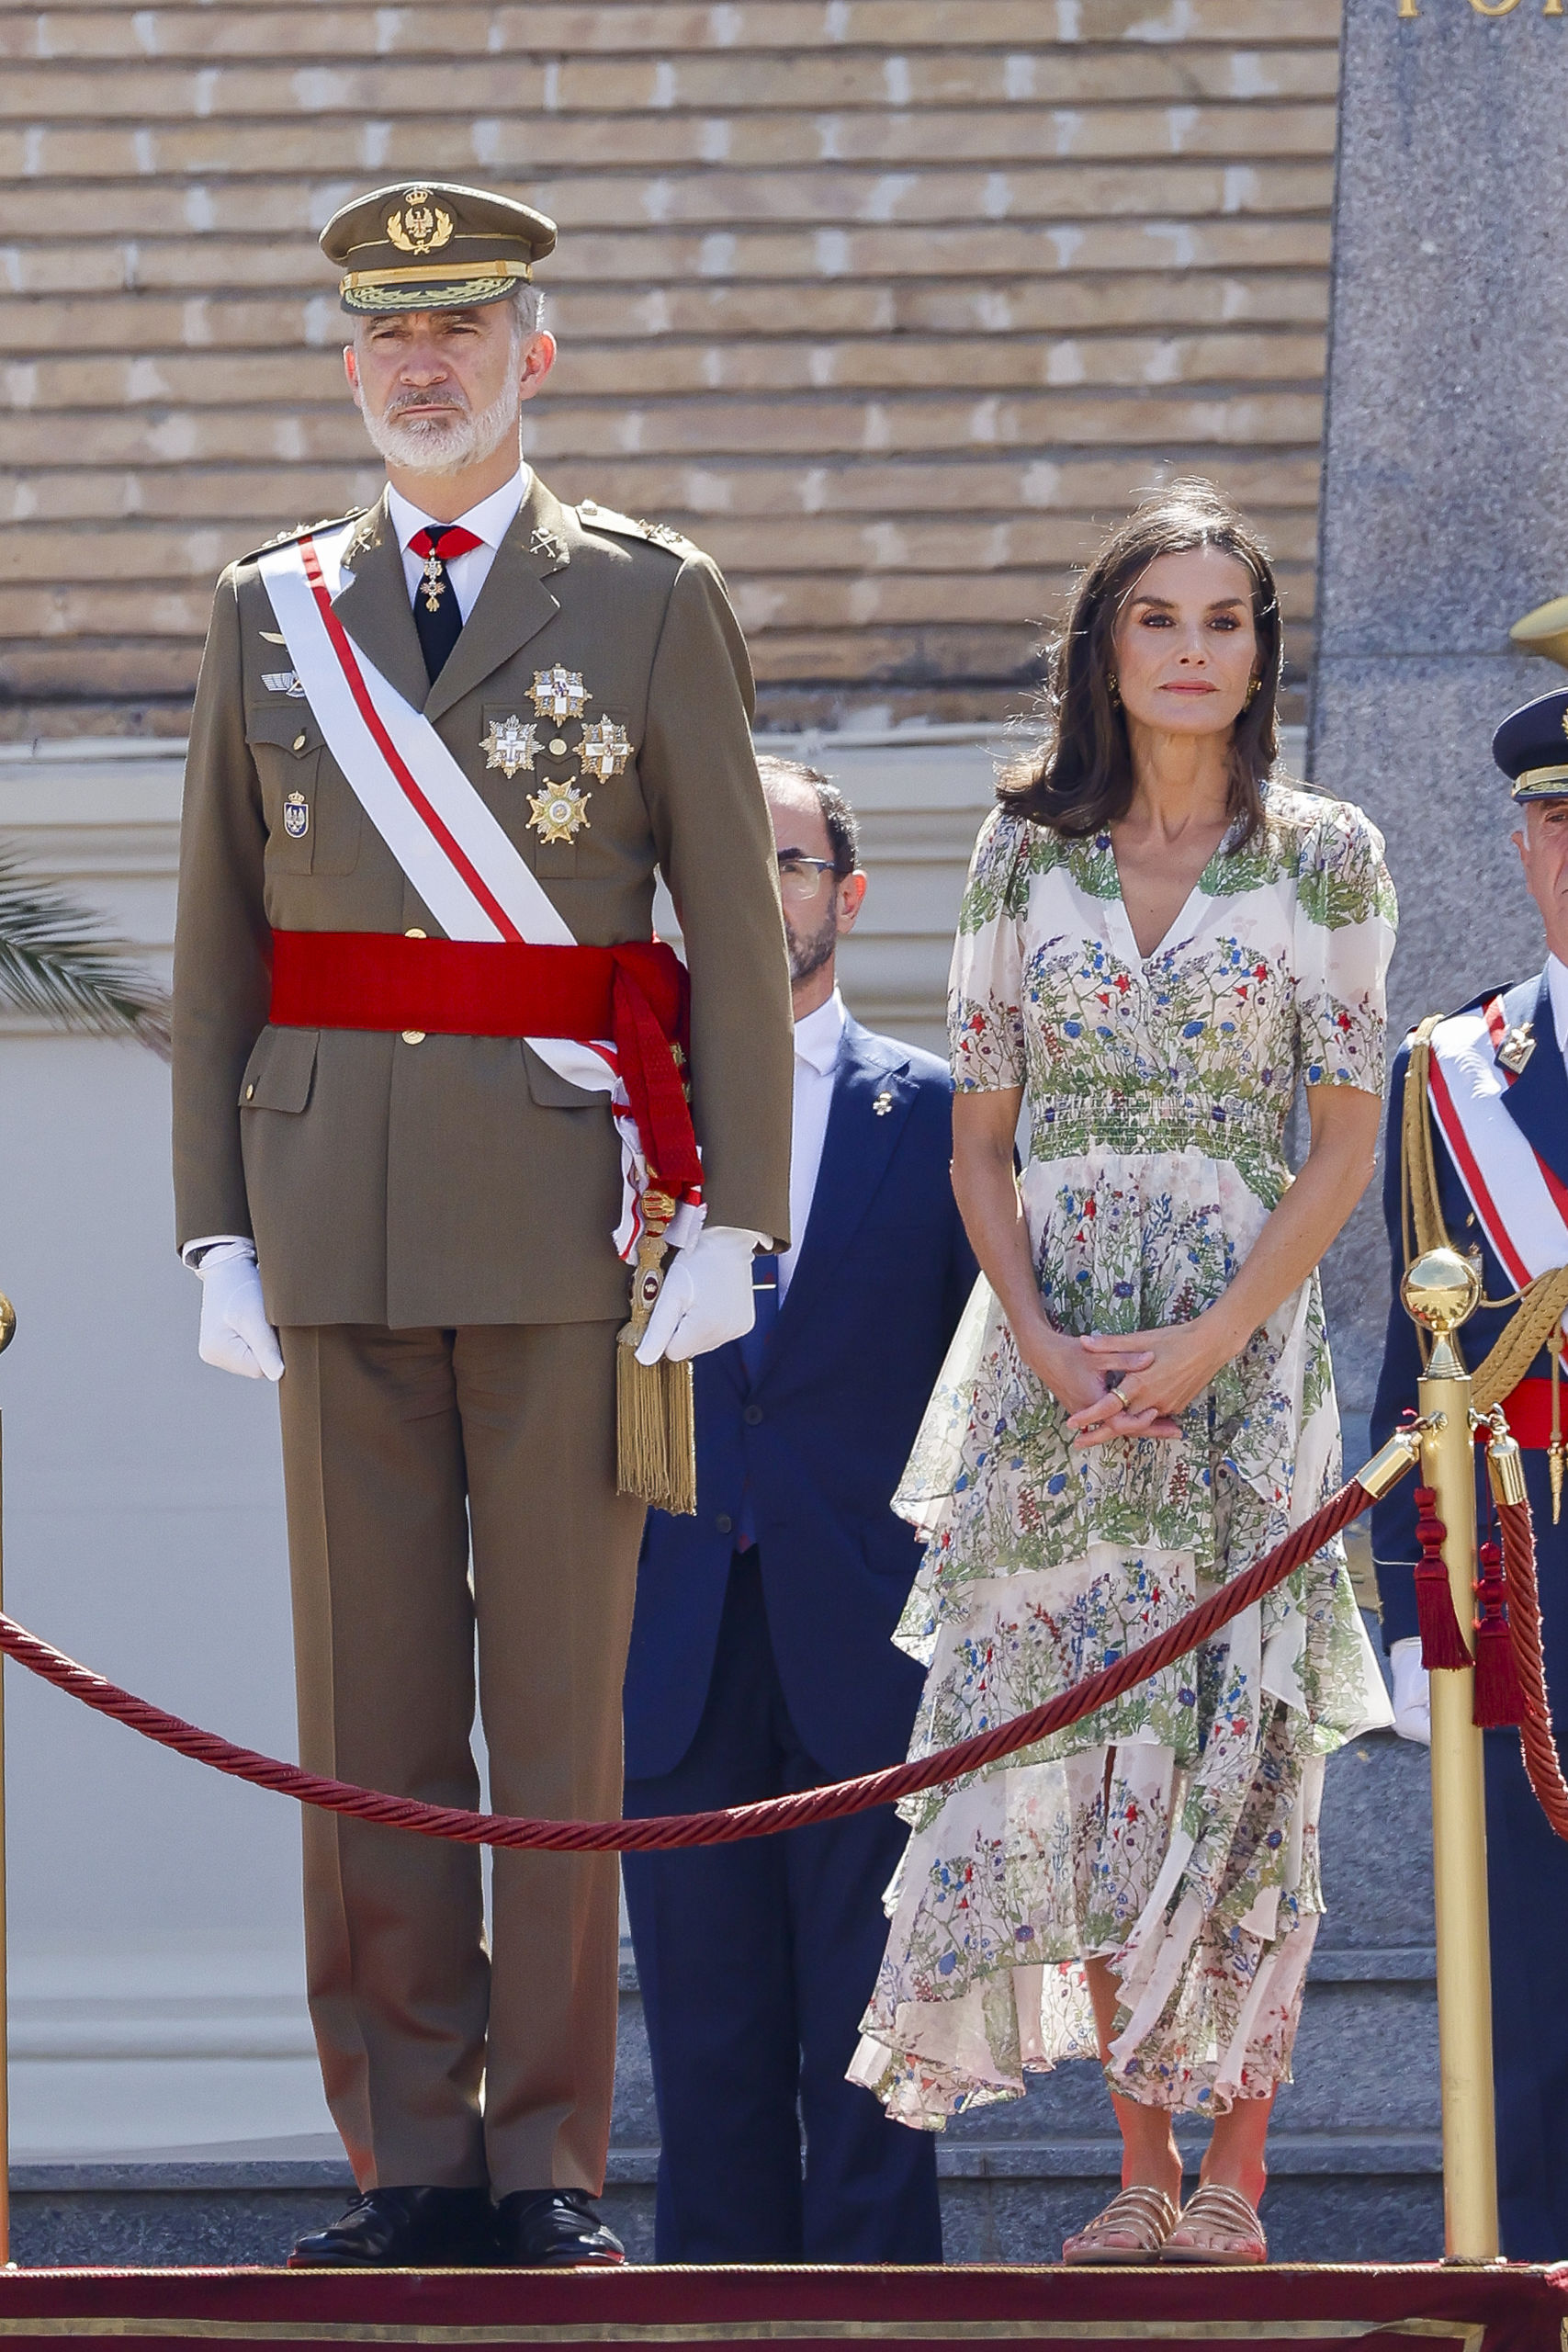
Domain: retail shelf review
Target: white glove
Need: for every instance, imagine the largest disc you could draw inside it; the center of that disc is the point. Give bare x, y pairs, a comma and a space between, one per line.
1412, 1692
235, 1333
706, 1298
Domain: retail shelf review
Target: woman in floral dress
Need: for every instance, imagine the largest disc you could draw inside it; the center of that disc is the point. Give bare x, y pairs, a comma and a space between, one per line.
1158, 942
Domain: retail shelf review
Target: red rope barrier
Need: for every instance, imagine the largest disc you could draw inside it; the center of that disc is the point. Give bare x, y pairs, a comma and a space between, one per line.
736, 1822
1536, 1738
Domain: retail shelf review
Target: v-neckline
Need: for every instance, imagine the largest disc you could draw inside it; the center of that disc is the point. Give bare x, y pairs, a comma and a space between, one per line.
1180, 918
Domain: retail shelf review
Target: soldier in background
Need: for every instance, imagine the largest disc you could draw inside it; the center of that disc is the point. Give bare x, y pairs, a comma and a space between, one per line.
1487, 1088
439, 751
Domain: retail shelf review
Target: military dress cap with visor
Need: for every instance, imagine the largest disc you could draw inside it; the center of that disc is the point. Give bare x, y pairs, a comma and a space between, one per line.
1531, 748
432, 245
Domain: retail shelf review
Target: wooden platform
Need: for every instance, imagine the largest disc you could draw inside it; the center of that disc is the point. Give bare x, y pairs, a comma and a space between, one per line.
1309, 2308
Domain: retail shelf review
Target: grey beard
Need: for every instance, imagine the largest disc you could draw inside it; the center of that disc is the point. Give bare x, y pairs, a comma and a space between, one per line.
807, 956
429, 448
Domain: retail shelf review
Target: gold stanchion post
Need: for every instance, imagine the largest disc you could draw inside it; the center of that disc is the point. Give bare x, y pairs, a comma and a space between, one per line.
1441, 1289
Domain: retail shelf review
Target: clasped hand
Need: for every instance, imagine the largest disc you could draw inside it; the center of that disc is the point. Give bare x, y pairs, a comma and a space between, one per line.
1128, 1383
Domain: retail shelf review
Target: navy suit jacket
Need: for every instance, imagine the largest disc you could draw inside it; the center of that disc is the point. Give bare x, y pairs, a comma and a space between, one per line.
881, 1280
1538, 1102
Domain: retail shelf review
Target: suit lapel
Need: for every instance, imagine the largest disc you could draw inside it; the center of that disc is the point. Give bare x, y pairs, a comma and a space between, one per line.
512, 605
855, 1152
1538, 1099
374, 607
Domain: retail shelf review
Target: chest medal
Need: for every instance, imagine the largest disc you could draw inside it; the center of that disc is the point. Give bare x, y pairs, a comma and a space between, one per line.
560, 812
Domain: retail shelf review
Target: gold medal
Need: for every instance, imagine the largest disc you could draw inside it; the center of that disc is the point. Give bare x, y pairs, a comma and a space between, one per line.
560, 812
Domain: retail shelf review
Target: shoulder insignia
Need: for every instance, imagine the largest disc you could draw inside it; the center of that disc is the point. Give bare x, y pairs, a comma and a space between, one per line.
300, 531
627, 527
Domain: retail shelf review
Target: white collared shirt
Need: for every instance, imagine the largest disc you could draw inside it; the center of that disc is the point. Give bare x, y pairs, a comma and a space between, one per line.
489, 521
1557, 981
818, 1041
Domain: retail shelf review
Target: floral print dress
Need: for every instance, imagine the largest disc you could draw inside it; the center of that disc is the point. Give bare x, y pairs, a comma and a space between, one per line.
1174, 1833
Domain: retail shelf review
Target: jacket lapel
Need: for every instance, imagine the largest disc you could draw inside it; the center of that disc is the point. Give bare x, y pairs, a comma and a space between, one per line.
512, 605
855, 1152
1538, 1099
374, 607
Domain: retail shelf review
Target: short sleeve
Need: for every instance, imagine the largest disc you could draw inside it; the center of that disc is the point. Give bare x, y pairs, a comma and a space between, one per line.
984, 1008
1346, 919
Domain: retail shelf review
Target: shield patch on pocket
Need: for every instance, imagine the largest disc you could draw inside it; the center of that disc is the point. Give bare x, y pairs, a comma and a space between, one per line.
296, 816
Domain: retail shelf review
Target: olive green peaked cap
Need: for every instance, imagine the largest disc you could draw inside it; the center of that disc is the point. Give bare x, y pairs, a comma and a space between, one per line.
432, 245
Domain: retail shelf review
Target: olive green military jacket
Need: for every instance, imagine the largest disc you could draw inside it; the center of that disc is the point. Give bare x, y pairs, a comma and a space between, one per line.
459, 1180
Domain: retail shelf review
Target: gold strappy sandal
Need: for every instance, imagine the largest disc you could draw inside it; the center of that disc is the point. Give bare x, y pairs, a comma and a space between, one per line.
1237, 2234
1146, 2217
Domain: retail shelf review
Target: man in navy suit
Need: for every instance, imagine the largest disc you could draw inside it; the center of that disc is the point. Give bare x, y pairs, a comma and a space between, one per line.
762, 1658
1498, 1115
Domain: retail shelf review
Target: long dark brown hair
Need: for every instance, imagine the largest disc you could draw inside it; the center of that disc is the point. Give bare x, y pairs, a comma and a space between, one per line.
1079, 779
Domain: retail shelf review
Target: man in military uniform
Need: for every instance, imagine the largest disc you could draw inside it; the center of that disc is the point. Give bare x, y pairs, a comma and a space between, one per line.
431, 1086
1477, 1152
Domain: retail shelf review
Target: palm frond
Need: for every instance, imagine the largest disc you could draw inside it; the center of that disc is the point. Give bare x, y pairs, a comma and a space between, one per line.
53, 962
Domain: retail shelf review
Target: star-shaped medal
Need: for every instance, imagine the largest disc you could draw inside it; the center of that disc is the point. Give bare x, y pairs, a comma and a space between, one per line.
560, 812
510, 743
606, 748
559, 694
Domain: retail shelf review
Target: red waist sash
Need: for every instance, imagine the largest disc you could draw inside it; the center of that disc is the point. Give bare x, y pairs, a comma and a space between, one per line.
634, 994
1528, 1414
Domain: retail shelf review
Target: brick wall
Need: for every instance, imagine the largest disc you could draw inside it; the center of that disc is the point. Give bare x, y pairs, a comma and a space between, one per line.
887, 303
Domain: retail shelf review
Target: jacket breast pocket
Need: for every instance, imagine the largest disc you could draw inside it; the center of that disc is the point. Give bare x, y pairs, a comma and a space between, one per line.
281, 1070
313, 818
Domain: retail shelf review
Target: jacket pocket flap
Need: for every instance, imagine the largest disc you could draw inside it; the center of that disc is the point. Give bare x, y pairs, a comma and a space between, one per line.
279, 1073
289, 724
556, 1094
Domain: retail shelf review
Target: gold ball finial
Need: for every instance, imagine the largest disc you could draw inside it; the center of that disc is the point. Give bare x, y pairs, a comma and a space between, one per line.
1441, 1289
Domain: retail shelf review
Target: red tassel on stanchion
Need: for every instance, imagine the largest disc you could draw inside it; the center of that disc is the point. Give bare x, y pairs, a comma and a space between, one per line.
1500, 1701
1442, 1643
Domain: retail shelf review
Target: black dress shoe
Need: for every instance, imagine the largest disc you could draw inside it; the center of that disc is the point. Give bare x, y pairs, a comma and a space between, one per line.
404, 2229
552, 2228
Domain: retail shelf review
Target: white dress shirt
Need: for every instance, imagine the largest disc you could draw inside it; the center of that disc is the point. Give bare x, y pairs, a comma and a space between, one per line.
490, 522
818, 1041
1557, 981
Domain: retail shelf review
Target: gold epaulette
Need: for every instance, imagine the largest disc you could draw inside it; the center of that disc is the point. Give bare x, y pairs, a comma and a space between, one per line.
1540, 1305
627, 527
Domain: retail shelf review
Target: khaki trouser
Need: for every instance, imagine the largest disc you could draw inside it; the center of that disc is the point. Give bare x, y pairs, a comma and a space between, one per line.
397, 1447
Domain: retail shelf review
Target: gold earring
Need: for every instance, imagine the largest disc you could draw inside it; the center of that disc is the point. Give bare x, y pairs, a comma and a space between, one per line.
1114, 689
1252, 686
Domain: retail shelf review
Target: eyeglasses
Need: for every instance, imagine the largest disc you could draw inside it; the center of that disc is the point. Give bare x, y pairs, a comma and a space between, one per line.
800, 879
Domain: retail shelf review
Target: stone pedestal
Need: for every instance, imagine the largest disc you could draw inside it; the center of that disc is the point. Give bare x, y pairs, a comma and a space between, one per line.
1445, 503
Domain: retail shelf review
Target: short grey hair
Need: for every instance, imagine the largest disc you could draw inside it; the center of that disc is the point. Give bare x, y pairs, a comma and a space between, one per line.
527, 307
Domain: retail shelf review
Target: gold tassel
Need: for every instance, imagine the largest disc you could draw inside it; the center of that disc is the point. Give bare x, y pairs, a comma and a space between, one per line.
656, 1422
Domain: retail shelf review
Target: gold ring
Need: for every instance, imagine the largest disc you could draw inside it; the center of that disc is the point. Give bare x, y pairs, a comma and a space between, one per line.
1120, 1399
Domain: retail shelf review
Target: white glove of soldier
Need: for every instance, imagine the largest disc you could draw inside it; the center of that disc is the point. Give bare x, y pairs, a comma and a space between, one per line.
1412, 1692
706, 1298
235, 1333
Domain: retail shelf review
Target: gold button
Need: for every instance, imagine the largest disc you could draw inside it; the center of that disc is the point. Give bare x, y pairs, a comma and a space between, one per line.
249, 1092
557, 748
300, 742
415, 933
413, 1036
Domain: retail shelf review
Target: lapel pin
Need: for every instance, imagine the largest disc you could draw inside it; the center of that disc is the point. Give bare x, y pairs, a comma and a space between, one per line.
1517, 1045
883, 1103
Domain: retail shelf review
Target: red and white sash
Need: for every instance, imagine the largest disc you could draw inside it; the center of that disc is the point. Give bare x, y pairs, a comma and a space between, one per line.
447, 841
1520, 1203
